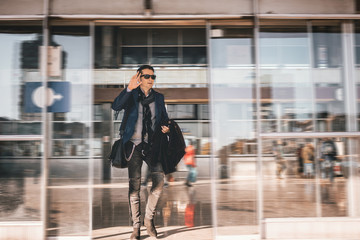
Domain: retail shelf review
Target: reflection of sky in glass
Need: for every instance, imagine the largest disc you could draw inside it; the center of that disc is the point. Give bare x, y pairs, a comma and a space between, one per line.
77, 49
233, 121
284, 49
232, 78
231, 52
294, 84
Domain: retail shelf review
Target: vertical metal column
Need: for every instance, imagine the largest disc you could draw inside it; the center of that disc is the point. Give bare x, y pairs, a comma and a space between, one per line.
260, 197
91, 128
351, 111
45, 124
313, 106
349, 75
212, 124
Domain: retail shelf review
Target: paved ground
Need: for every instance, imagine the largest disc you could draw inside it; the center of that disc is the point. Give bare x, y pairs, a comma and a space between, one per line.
183, 212
186, 212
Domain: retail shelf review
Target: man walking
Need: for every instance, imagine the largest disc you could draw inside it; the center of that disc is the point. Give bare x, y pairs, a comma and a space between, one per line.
144, 111
328, 156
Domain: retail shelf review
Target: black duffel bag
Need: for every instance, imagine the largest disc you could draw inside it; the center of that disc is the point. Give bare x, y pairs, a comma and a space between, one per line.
117, 156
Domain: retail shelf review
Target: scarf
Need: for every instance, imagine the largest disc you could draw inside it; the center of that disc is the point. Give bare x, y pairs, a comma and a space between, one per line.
146, 121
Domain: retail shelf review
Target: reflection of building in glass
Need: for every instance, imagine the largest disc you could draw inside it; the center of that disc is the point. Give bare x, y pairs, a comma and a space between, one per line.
30, 51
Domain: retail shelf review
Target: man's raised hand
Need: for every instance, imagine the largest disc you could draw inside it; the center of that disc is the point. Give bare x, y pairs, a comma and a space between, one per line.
134, 81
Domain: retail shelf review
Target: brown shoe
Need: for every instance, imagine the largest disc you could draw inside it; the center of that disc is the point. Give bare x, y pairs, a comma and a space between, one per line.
135, 234
150, 227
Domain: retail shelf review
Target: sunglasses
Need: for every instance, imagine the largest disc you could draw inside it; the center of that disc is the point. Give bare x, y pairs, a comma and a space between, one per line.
147, 76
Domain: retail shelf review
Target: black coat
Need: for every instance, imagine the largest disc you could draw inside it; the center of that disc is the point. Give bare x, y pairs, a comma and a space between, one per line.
168, 148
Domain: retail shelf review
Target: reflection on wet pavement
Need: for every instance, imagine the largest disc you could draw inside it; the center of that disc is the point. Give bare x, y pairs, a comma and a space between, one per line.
183, 212
187, 211
178, 206
19, 199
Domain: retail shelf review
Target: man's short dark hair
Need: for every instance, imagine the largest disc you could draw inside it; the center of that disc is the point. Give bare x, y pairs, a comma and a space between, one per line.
145, 67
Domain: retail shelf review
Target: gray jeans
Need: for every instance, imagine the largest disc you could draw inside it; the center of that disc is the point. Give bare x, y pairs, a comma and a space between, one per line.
157, 176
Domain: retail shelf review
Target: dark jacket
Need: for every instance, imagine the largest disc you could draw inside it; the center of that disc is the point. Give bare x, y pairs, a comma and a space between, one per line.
328, 150
168, 148
129, 101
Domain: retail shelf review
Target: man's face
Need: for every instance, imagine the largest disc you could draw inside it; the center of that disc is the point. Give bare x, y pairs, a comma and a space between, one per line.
147, 83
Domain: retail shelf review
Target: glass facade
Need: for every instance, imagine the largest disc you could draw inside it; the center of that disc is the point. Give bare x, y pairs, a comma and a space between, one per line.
234, 127
71, 142
278, 94
165, 46
21, 147
277, 100
285, 77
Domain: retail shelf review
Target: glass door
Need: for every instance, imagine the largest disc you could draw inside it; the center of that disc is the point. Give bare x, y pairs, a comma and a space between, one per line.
300, 171
309, 156
21, 143
69, 191
233, 107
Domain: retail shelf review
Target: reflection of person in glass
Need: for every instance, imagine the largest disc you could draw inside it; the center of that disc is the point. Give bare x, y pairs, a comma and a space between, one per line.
328, 157
308, 158
279, 159
145, 109
12, 197
189, 159
190, 208
189, 215
300, 160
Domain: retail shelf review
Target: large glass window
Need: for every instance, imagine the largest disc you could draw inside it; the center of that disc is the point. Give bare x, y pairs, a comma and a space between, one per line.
123, 47
301, 76
20, 159
179, 55
327, 73
304, 93
285, 75
233, 96
19, 65
71, 155
71, 129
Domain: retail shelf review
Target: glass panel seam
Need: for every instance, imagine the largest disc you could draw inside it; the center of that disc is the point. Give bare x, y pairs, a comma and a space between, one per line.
212, 127
91, 127
259, 182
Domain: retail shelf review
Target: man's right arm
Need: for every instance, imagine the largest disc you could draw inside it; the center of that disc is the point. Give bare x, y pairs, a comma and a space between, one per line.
121, 100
